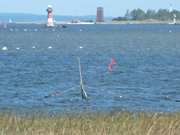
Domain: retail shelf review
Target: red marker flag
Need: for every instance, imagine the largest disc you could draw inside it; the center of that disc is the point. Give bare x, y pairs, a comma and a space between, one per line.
112, 62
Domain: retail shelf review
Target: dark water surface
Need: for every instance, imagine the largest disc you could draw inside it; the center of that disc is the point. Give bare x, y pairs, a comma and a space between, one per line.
146, 77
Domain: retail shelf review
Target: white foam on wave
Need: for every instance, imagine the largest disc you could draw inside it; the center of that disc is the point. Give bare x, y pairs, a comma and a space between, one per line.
25, 30
35, 30
4, 48
33, 47
11, 30
81, 47
17, 48
49, 47
16, 29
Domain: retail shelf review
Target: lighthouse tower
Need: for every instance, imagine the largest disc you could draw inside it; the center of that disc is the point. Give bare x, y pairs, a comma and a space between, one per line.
50, 22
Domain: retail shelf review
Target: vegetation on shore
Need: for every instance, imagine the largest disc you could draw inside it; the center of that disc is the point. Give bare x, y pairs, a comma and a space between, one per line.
122, 123
140, 15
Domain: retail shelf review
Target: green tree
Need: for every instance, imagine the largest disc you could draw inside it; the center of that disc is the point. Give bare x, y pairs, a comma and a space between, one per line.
177, 13
163, 14
137, 14
127, 15
150, 14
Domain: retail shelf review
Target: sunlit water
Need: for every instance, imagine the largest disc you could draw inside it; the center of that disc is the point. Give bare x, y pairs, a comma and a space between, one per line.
39, 68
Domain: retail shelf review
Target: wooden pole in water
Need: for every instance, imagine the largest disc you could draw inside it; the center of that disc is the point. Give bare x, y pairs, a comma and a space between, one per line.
83, 92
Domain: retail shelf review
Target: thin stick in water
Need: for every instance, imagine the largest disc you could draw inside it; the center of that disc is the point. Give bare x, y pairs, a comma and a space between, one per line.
83, 92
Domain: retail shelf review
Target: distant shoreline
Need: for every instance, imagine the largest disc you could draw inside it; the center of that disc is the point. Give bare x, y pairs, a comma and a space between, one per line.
92, 23
149, 21
145, 22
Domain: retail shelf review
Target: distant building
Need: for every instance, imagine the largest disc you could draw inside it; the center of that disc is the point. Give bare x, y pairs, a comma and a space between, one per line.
100, 14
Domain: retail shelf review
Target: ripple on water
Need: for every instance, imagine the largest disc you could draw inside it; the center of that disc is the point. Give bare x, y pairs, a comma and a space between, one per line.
38, 62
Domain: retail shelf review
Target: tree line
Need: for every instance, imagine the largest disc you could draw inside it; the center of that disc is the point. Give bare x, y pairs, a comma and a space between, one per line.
139, 14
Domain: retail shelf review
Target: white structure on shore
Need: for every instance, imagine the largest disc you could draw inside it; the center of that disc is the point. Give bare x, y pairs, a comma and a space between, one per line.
174, 19
174, 15
50, 21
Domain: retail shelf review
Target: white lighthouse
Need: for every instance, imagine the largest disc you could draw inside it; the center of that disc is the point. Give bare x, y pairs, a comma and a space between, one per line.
50, 22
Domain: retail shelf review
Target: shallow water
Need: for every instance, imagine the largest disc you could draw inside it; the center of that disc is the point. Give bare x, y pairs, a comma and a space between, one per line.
37, 77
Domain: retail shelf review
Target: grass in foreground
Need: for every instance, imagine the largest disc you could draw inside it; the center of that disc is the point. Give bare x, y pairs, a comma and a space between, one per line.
123, 123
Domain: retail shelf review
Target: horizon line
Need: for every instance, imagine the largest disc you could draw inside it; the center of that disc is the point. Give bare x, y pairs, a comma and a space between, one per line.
36, 14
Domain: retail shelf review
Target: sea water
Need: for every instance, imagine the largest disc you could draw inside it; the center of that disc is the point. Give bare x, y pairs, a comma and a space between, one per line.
42, 74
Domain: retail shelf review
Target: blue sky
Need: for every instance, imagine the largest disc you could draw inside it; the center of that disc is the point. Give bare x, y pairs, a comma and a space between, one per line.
83, 7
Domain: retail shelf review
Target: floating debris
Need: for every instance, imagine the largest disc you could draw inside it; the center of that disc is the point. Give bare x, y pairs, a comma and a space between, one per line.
167, 98
110, 65
178, 100
54, 94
